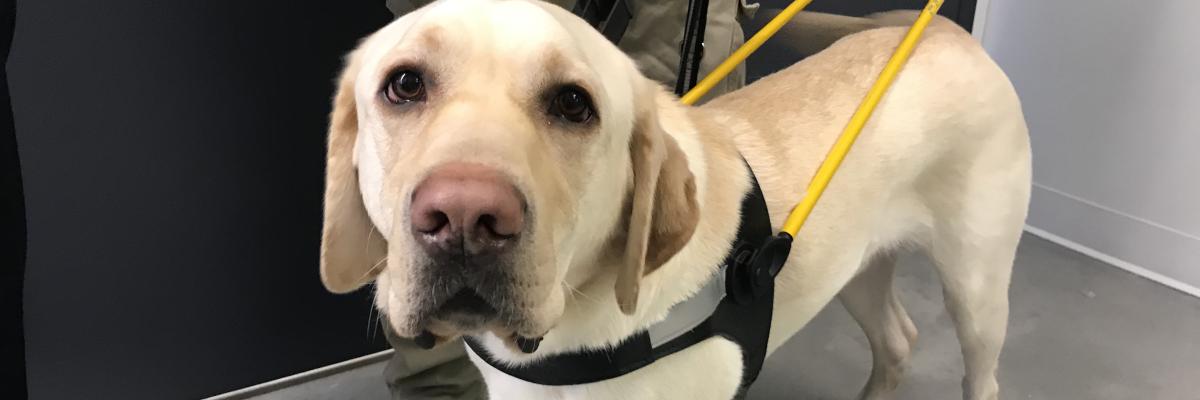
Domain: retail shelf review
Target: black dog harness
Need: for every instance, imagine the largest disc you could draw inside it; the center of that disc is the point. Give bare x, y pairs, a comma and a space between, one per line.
736, 304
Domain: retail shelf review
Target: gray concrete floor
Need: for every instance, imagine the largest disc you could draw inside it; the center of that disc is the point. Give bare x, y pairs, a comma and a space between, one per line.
1079, 329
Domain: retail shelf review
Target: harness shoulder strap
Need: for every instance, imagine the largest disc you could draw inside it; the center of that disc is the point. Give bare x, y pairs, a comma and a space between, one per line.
743, 315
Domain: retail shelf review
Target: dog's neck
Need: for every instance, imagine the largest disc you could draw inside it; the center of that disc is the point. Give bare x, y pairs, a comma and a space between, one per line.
591, 318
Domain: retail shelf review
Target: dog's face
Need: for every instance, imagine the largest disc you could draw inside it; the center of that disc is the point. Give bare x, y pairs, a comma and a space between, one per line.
485, 154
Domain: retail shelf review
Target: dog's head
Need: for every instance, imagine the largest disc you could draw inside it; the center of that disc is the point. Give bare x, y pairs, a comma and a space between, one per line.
483, 155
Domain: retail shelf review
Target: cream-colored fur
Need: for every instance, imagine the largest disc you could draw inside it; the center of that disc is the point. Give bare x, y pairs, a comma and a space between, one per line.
943, 166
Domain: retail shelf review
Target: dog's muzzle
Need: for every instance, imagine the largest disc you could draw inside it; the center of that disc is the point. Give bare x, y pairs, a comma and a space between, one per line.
468, 220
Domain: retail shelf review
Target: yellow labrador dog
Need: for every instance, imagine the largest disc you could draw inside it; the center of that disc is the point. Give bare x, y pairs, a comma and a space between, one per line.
499, 169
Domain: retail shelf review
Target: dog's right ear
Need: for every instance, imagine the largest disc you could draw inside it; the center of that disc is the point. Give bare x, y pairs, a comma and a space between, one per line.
352, 251
663, 211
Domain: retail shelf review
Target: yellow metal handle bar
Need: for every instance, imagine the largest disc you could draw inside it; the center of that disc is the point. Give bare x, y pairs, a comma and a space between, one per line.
833, 160
742, 53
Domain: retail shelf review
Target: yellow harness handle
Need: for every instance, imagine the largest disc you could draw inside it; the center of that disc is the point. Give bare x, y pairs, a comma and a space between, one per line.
840, 148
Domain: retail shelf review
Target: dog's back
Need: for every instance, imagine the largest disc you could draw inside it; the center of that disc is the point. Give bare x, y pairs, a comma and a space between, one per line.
943, 165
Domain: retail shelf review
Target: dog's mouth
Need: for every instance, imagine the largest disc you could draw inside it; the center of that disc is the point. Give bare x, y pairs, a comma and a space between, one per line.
465, 302
449, 300
465, 311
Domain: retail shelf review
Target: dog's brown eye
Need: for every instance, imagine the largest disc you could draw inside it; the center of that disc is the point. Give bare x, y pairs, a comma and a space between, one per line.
405, 86
572, 105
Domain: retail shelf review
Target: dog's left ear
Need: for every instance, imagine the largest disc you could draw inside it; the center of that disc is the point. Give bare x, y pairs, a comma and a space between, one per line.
664, 213
351, 248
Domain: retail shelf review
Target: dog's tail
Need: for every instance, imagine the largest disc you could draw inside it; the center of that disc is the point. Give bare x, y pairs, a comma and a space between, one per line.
810, 32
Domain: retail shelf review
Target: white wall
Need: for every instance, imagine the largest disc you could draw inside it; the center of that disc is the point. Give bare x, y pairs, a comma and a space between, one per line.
1111, 92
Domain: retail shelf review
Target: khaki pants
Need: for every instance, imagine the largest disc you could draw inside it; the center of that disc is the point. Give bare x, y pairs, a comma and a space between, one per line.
653, 40
443, 373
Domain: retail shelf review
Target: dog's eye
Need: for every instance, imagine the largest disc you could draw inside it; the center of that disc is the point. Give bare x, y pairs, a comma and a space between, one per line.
405, 86
572, 104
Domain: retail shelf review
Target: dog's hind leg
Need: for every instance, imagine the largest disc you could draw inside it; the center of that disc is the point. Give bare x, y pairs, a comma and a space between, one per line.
975, 276
978, 219
890, 332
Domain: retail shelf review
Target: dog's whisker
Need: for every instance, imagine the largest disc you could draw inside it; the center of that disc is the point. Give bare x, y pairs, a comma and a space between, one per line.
576, 292
367, 243
371, 320
374, 268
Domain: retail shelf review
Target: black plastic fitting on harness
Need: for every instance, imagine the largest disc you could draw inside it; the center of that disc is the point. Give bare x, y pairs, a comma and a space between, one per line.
755, 269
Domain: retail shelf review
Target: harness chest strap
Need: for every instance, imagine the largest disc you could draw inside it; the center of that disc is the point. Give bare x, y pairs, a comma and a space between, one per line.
736, 304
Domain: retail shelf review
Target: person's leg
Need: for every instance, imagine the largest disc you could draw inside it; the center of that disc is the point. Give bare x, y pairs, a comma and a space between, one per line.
441, 373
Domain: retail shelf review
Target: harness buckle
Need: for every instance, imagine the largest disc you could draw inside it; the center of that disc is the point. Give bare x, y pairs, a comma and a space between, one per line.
752, 272
740, 274
771, 258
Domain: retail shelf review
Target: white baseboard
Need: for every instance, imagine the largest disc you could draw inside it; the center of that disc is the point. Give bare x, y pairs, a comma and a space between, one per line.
302, 377
1116, 262
1144, 247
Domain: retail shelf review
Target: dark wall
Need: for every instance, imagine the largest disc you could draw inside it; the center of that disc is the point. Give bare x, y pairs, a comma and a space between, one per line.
12, 231
173, 156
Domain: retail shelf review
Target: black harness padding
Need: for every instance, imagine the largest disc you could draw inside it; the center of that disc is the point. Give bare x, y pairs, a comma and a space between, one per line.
743, 315
610, 17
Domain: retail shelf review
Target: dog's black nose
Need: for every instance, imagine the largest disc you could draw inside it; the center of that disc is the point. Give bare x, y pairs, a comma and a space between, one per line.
467, 209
